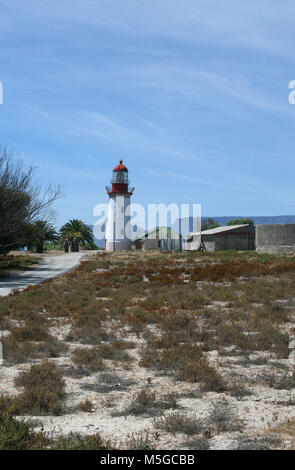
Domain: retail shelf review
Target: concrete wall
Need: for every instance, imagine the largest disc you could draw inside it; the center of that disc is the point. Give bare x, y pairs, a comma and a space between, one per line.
118, 245
227, 242
241, 239
151, 244
275, 238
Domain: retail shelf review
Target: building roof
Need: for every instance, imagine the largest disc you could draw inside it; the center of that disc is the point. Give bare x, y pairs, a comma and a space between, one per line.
120, 167
213, 231
161, 232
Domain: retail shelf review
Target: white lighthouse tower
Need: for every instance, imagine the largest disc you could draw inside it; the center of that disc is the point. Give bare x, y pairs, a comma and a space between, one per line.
117, 232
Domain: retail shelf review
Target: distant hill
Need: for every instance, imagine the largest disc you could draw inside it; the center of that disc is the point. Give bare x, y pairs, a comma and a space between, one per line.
275, 219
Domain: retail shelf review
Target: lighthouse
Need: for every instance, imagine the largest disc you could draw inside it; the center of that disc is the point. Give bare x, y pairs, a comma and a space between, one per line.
117, 231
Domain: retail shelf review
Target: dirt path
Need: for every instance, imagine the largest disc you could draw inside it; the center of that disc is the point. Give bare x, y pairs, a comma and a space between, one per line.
48, 268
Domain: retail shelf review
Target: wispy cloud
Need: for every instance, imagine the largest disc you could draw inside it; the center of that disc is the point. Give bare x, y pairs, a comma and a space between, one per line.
230, 22
150, 138
192, 91
44, 162
212, 90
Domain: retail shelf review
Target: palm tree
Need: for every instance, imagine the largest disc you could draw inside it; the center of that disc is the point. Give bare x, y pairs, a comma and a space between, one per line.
40, 232
76, 231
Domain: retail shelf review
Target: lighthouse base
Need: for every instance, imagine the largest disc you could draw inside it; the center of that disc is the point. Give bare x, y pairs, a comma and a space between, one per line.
118, 245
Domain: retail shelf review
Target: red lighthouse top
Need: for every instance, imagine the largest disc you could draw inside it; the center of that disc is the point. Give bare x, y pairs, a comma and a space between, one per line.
120, 167
120, 181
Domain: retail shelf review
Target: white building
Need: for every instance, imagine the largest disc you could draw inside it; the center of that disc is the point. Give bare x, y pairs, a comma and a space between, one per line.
230, 237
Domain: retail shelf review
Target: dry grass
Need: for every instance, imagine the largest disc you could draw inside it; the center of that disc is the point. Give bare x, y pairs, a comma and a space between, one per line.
166, 313
143, 440
16, 434
179, 423
31, 341
88, 358
147, 402
86, 406
77, 442
223, 418
283, 432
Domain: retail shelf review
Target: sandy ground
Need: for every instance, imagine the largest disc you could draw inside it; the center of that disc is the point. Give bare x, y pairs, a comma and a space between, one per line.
259, 412
49, 267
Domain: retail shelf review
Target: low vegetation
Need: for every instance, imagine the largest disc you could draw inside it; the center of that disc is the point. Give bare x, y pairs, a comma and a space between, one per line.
43, 390
18, 434
147, 401
179, 423
154, 337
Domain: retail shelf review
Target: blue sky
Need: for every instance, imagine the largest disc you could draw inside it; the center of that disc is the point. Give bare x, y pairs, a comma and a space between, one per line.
192, 94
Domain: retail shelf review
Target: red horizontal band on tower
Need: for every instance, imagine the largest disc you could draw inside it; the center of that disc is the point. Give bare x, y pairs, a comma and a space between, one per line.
120, 188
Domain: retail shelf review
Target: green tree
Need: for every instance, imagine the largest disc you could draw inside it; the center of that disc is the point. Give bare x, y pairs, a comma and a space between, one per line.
22, 201
76, 232
210, 223
240, 222
40, 232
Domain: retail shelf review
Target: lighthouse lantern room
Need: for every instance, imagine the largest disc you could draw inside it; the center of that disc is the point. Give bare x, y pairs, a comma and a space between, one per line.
118, 216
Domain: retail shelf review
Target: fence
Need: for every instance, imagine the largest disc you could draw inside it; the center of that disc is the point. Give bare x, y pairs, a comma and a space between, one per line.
171, 244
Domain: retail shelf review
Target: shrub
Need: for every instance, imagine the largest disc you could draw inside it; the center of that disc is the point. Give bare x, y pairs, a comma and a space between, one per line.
177, 321
52, 347
34, 330
274, 312
222, 417
231, 335
201, 371
44, 390
86, 405
142, 440
116, 351
280, 382
169, 358
16, 352
17, 434
146, 401
88, 358
257, 443
21, 345
270, 339
87, 330
237, 390
198, 443
77, 442
179, 423
150, 357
